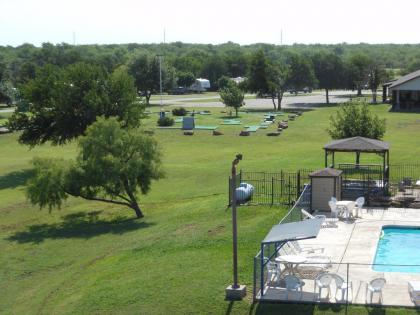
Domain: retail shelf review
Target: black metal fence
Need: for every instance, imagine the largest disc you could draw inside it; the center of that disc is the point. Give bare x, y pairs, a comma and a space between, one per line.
276, 188
403, 174
366, 180
370, 181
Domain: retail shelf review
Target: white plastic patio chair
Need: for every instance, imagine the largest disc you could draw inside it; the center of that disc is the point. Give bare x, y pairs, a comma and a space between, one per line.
293, 284
375, 286
323, 281
359, 205
334, 210
273, 272
333, 199
343, 286
328, 222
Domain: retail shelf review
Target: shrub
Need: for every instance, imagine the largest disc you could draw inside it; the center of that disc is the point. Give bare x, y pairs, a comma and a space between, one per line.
180, 111
165, 122
353, 120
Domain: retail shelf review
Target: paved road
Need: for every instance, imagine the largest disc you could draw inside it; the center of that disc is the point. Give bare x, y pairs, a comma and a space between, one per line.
7, 110
289, 101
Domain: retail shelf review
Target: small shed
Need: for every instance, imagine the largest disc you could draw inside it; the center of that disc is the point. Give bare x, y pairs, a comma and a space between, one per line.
325, 183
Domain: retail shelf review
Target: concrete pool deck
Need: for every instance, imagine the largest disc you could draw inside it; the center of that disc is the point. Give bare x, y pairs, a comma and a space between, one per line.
354, 242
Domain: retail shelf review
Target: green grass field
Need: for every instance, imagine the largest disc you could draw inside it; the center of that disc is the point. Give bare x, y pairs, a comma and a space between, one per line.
93, 258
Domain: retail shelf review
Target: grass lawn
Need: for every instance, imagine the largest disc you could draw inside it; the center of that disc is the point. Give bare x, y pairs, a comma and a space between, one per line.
90, 258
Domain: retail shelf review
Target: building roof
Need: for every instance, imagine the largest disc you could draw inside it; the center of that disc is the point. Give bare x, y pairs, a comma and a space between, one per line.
357, 144
326, 172
294, 231
389, 83
405, 78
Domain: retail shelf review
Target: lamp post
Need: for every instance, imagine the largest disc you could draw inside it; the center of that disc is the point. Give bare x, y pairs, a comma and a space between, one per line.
235, 291
160, 78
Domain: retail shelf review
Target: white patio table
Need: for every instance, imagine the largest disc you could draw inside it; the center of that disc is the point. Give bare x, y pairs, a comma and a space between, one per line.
346, 206
290, 262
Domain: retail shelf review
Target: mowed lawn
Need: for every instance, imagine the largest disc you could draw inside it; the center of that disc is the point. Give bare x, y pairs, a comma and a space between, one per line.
93, 258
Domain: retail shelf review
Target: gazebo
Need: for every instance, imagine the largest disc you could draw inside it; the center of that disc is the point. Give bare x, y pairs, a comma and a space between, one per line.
358, 145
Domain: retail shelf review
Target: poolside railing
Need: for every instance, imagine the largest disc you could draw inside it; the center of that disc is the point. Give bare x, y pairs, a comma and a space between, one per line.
352, 283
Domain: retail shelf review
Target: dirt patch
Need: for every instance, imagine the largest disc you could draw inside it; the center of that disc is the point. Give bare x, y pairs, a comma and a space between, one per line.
185, 229
217, 230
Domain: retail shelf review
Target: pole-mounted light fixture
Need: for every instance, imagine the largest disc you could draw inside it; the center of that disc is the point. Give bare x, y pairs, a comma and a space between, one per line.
235, 291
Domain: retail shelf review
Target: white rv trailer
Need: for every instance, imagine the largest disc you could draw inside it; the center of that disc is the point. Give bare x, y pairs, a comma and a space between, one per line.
200, 85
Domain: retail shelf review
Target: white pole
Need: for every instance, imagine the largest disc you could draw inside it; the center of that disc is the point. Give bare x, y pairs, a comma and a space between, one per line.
160, 78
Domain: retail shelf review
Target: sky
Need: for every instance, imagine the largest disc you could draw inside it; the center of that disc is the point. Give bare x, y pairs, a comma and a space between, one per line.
211, 21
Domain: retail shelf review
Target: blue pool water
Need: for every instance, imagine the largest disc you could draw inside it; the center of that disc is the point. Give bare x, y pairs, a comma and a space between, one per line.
398, 245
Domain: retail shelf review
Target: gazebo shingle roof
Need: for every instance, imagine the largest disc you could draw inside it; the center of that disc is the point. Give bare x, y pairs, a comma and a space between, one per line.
357, 144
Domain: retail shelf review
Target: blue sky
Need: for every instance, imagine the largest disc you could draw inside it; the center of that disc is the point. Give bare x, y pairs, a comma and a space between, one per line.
215, 21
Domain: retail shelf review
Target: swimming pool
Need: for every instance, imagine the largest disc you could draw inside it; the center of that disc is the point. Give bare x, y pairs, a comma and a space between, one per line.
398, 245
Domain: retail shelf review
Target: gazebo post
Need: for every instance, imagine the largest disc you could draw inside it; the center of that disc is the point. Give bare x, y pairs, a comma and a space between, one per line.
326, 158
333, 159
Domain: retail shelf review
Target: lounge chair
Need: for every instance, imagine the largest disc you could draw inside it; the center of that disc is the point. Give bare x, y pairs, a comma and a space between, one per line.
321, 262
328, 222
307, 249
414, 291
375, 286
343, 286
293, 284
323, 281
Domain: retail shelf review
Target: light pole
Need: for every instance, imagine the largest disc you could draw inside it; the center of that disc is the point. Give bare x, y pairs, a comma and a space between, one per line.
235, 291
160, 78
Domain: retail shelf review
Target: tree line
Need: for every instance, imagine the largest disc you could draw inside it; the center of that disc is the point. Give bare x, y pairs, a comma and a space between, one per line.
182, 63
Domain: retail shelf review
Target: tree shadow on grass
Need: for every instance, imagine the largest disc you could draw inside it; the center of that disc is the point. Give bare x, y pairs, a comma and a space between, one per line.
77, 225
15, 179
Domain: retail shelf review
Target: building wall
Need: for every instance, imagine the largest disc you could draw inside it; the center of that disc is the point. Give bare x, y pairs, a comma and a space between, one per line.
413, 85
322, 191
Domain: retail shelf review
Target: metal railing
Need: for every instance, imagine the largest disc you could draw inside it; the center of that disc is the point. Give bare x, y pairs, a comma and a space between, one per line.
351, 283
276, 188
293, 215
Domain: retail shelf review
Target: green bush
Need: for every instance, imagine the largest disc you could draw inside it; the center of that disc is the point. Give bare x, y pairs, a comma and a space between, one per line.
180, 111
165, 121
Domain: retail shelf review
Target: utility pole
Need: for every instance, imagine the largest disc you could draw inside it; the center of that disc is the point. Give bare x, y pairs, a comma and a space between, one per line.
235, 291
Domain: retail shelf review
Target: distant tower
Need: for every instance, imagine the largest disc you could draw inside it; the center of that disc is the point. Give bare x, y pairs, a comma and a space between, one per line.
281, 37
74, 38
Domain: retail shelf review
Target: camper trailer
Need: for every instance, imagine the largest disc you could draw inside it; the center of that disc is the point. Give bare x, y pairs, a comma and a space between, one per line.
200, 85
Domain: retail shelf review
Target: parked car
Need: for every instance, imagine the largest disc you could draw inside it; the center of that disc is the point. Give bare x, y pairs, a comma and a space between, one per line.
180, 90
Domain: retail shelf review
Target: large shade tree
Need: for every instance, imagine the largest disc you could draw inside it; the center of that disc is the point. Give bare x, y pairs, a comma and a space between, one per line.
328, 68
65, 101
113, 166
357, 69
301, 73
377, 75
146, 72
268, 77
